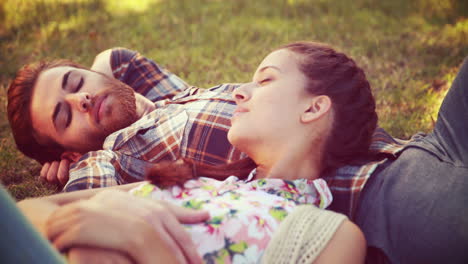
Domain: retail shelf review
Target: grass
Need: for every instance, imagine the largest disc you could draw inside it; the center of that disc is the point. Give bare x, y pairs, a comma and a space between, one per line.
410, 50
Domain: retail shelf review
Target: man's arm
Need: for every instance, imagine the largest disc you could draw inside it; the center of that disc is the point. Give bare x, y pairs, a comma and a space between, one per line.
144, 75
102, 63
105, 168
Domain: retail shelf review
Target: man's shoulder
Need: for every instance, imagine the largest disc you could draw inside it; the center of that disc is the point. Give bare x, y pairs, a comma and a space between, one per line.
383, 146
111, 61
121, 57
102, 63
347, 182
383, 143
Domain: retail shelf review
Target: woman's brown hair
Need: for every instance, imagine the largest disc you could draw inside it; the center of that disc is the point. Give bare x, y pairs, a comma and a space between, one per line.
337, 76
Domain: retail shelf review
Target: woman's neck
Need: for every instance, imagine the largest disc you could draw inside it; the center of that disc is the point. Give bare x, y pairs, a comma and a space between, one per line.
293, 162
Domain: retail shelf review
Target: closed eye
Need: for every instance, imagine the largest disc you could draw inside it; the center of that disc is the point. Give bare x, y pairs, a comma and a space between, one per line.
62, 116
265, 81
68, 115
80, 84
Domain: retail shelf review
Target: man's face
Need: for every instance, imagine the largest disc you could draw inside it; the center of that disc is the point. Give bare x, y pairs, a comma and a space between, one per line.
79, 108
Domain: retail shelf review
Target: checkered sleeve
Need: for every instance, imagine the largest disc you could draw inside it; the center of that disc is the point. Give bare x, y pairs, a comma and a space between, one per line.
104, 168
144, 75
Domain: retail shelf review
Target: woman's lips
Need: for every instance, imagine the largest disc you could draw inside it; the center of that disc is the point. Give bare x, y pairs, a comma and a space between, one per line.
239, 110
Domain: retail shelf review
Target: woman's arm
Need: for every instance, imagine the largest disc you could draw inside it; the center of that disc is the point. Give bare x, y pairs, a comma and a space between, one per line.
347, 245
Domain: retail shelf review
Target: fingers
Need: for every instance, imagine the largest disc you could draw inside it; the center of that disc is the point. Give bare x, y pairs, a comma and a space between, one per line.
55, 172
62, 173
86, 223
90, 255
62, 219
169, 243
182, 239
70, 236
187, 215
160, 215
94, 222
52, 172
44, 170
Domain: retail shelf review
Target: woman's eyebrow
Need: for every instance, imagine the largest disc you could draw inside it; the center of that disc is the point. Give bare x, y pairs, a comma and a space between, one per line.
269, 66
65, 79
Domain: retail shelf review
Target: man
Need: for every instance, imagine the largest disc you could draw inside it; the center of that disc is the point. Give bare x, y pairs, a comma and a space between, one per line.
74, 113
409, 211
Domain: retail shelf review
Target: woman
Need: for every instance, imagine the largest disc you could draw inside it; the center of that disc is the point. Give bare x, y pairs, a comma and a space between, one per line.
302, 95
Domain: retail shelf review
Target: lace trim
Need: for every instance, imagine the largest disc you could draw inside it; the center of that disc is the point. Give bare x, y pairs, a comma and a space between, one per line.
302, 235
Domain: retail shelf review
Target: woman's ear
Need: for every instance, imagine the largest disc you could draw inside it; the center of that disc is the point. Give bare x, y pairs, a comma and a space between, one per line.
317, 107
71, 156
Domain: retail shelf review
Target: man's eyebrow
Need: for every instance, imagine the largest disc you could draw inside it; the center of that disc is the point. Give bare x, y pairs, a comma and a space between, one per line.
54, 115
65, 79
270, 66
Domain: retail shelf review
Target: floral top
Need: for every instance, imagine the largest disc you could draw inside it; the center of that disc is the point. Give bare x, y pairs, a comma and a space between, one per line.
244, 214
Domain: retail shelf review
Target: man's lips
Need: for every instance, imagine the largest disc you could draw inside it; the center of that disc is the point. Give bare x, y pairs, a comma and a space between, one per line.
97, 108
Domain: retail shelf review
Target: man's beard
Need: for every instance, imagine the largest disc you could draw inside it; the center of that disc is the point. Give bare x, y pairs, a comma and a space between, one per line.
124, 109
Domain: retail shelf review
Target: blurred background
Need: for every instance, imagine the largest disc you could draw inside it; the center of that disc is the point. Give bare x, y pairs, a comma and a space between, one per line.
410, 50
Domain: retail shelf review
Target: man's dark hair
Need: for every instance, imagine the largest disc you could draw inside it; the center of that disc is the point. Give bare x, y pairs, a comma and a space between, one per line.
19, 111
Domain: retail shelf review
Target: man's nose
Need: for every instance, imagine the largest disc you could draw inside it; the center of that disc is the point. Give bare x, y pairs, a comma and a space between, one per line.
80, 101
242, 93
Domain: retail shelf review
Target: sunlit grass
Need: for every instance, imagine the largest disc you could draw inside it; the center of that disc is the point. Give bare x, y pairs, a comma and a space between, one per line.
125, 6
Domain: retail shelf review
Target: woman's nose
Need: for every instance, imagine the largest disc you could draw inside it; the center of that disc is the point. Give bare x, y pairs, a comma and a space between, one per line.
242, 93
80, 101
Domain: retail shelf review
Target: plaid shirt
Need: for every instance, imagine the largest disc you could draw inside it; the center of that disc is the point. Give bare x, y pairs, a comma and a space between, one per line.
188, 122
192, 123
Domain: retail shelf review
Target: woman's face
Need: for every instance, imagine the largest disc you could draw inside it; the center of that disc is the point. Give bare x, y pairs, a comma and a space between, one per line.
269, 108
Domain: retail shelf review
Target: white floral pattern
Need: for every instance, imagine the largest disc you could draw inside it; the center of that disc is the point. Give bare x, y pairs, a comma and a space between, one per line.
244, 214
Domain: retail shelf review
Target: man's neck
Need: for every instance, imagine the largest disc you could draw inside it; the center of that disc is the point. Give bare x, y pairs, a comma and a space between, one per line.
143, 105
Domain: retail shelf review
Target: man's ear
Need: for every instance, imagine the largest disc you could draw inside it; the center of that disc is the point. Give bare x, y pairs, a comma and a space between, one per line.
318, 106
71, 156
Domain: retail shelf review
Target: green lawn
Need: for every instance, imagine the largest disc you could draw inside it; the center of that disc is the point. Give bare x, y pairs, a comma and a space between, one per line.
410, 50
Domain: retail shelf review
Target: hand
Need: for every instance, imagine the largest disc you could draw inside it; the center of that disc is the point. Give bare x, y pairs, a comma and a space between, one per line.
86, 223
66, 226
55, 172
164, 217
88, 255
